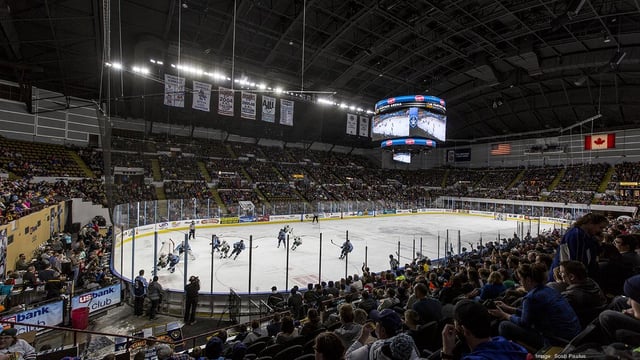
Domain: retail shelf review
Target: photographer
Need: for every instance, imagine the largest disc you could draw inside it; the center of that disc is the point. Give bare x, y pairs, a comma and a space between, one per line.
191, 303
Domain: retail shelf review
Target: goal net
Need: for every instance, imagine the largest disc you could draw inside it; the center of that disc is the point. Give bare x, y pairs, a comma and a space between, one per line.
246, 208
168, 246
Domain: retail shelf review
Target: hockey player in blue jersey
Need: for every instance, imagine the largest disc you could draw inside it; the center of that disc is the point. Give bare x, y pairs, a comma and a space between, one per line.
237, 249
346, 247
182, 248
215, 243
173, 261
282, 238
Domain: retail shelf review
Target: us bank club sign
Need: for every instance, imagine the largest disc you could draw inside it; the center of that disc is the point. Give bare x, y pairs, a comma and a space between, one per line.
51, 314
97, 299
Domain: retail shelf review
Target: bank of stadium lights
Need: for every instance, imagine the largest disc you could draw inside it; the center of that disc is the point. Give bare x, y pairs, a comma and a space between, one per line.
157, 62
114, 65
140, 70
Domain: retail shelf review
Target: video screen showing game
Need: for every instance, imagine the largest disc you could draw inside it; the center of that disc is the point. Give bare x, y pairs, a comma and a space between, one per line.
412, 121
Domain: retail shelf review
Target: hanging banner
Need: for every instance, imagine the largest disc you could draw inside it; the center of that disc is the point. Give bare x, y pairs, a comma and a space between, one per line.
286, 112
3, 254
201, 96
364, 126
173, 91
248, 106
352, 124
268, 109
225, 101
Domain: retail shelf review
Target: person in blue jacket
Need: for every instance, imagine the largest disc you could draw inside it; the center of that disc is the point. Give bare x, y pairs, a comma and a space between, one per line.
544, 315
472, 323
581, 243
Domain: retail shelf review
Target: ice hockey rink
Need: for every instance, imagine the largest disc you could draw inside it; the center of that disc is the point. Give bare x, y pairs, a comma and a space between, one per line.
373, 238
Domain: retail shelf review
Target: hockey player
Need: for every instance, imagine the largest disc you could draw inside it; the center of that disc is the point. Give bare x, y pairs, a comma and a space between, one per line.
192, 230
224, 249
182, 248
215, 243
162, 262
297, 241
282, 238
346, 247
173, 261
237, 248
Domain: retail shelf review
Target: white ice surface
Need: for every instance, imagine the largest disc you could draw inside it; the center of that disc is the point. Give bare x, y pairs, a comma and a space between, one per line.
379, 236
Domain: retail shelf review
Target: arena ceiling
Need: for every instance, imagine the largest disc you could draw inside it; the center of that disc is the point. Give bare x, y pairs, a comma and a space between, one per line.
504, 67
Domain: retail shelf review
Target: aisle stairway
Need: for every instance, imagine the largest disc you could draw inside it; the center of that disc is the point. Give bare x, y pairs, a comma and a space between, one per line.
160, 193
155, 168
74, 155
204, 171
516, 180
218, 199
444, 178
557, 179
606, 179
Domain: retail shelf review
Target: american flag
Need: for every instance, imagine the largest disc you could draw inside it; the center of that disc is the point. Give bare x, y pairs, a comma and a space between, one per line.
500, 149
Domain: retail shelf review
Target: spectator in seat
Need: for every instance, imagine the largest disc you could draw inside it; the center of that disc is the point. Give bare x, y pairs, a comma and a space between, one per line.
13, 348
473, 323
21, 263
427, 308
391, 343
625, 325
348, 331
328, 346
626, 245
583, 293
368, 303
287, 332
544, 313
256, 333
313, 323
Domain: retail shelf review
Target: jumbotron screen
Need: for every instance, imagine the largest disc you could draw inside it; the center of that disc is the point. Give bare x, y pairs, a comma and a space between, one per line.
410, 115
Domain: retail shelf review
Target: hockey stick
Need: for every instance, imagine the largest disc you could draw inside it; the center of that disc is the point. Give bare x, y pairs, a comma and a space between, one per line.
340, 246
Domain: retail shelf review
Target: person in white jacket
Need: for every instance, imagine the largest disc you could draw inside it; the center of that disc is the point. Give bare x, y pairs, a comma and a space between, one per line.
391, 344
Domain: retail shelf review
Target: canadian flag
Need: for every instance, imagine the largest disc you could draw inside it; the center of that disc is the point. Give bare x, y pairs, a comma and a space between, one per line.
599, 141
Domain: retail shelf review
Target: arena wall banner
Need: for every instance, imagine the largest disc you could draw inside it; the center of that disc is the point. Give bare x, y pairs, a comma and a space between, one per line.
49, 314
98, 299
230, 220
403, 211
284, 217
246, 219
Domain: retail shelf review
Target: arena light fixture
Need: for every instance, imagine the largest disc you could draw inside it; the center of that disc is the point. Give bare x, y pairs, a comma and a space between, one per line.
278, 90
325, 101
262, 86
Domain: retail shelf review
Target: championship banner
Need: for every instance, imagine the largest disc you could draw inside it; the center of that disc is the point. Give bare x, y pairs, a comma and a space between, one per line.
98, 299
49, 314
225, 101
173, 90
352, 124
364, 126
201, 96
248, 106
268, 109
286, 112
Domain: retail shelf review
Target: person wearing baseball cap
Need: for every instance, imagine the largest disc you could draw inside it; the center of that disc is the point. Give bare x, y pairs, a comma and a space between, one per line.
11, 345
392, 344
624, 326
